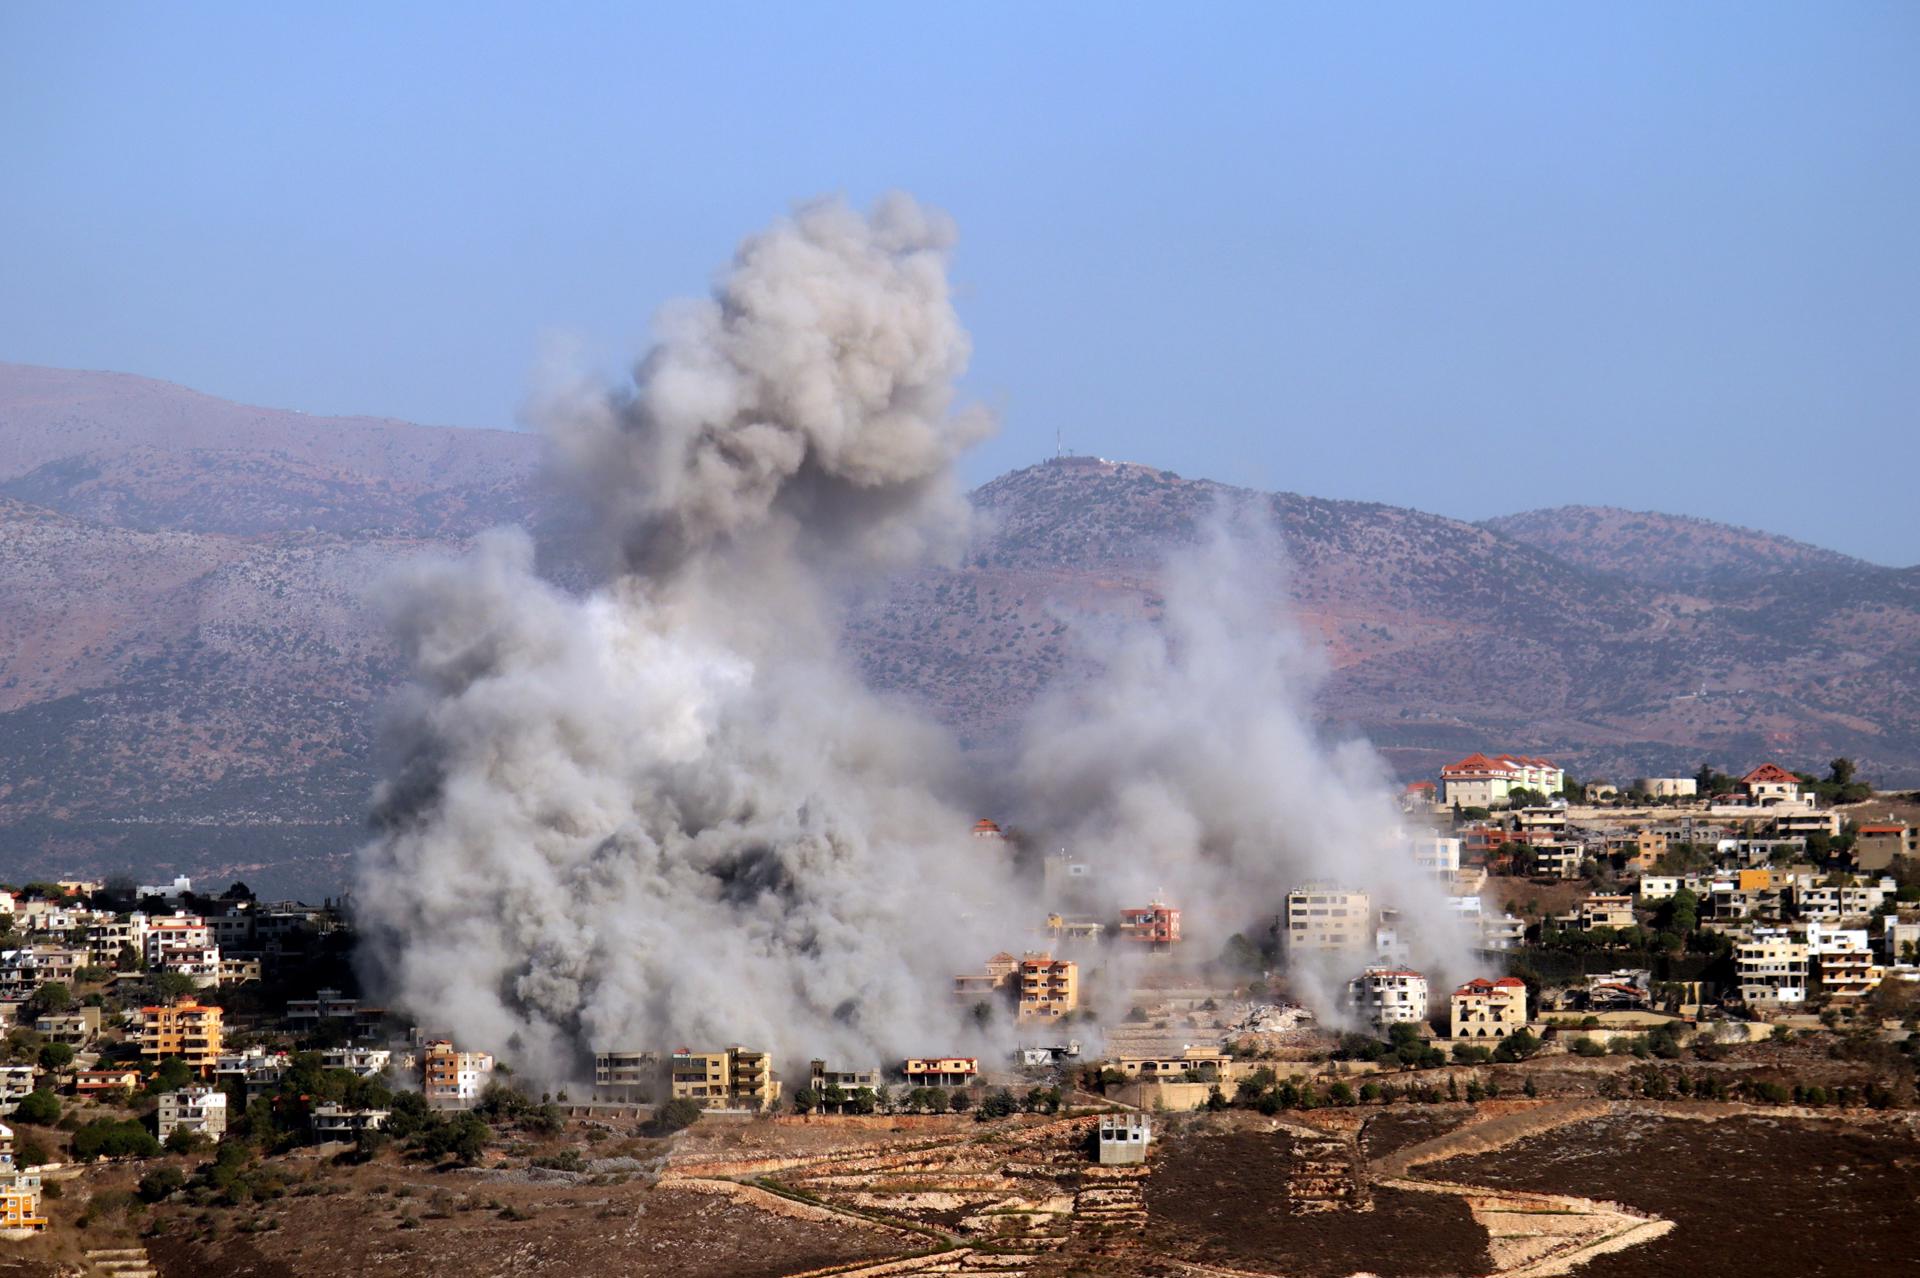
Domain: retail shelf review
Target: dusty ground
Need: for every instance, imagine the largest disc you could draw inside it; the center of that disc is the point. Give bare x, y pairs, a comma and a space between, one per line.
1753, 1196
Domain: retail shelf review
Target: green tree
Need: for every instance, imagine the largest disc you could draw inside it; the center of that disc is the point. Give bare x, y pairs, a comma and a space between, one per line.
55, 1057
30, 1153
805, 1100
39, 1107
1517, 1046
50, 999
676, 1115
161, 1183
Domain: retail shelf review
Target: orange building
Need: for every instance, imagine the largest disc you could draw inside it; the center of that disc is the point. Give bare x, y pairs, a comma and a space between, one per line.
1156, 926
1049, 987
187, 1029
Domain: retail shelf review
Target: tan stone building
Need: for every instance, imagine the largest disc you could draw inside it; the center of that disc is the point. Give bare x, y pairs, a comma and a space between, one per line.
1488, 1009
731, 1078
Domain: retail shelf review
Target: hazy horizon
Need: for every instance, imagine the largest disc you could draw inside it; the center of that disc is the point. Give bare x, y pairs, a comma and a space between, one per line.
1468, 261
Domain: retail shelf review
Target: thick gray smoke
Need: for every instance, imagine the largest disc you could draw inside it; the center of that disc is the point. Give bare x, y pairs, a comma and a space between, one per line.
661, 812
1190, 765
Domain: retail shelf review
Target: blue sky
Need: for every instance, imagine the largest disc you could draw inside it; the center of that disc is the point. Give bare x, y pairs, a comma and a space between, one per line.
1470, 258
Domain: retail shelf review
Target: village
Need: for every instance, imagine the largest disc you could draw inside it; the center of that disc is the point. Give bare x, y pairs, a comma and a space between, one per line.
1749, 941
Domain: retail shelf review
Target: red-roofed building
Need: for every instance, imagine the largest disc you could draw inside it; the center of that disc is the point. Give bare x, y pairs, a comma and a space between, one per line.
1482, 781
1489, 1009
986, 829
1771, 783
1419, 794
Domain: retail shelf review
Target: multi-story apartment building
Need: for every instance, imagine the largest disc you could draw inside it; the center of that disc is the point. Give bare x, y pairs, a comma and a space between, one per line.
1479, 781
1843, 962
185, 1029
1437, 854
368, 1062
1048, 989
820, 1078
1323, 919
989, 985
1488, 1009
201, 1111
1155, 926
19, 1194
453, 1079
730, 1078
1387, 996
1828, 902
626, 1076
1670, 787
1771, 967
1502, 931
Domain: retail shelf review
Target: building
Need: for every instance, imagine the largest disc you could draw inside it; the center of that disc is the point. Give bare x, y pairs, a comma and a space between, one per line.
183, 943
1843, 962
337, 1122
1321, 919
367, 1062
940, 1071
1804, 822
730, 1078
1155, 925
990, 985
1502, 931
1769, 784
257, 1070
1067, 929
1558, 860
1386, 996
1419, 795
452, 1079
985, 829
1771, 967
19, 1194
1065, 879
1877, 847
199, 1111
1478, 781
105, 1082
1641, 849
820, 1078
631, 1077
186, 1029
1048, 988
1830, 902
1124, 1138
327, 1005
1670, 787
75, 1028
16, 1084
1488, 1009
1437, 855
1194, 1059
1606, 911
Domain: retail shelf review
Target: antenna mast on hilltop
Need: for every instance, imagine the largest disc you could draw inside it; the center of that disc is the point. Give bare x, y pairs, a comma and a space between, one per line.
1059, 444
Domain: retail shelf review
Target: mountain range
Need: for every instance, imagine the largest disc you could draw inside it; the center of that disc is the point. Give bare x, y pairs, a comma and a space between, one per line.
191, 677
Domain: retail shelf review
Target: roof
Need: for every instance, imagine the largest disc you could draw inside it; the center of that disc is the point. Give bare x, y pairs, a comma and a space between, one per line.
1421, 785
1769, 774
1477, 763
1882, 829
1481, 985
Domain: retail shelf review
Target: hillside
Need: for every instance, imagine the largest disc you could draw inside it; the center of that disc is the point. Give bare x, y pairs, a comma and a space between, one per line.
190, 676
1664, 550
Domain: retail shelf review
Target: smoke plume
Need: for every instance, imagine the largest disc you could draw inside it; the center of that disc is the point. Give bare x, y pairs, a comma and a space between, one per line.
1189, 764
662, 811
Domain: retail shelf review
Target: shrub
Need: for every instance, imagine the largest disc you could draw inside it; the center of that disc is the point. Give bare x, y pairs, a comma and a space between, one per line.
161, 1182
1584, 1046
675, 1115
113, 1138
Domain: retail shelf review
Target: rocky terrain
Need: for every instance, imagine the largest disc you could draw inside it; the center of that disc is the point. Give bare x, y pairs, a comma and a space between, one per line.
190, 671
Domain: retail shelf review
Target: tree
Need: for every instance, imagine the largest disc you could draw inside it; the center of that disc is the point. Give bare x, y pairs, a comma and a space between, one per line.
161, 1183
1840, 772
55, 1057
39, 1107
114, 1138
171, 985
30, 1153
998, 1104
675, 1115
805, 1100
51, 998
1517, 1046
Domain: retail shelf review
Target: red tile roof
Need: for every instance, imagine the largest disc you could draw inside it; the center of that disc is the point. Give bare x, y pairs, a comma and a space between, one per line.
1769, 774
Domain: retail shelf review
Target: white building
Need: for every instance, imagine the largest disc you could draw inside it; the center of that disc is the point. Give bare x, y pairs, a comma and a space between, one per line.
337, 1122
1771, 967
199, 1110
1322, 919
1437, 855
1670, 787
368, 1062
1386, 996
